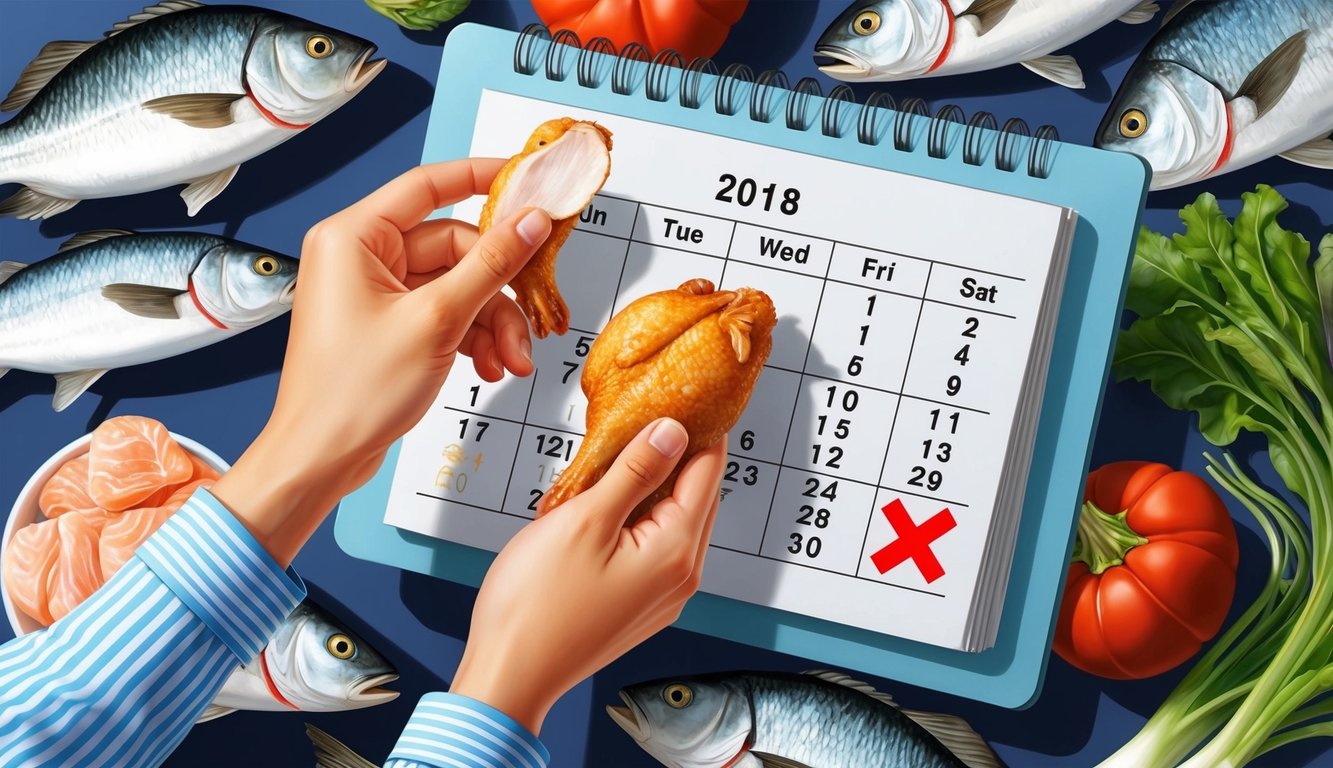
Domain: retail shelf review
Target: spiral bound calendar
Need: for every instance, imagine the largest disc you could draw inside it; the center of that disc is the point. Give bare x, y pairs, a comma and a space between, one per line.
901, 490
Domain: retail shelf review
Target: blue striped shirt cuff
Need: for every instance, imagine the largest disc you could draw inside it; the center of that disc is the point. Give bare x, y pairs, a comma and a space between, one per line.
216, 567
452, 731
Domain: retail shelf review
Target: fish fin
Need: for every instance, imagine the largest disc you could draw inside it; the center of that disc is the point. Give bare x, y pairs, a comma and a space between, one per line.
53, 57
1323, 280
989, 13
70, 385
152, 12
846, 681
1142, 13
30, 204
213, 712
1063, 70
91, 236
199, 110
1176, 10
777, 761
150, 301
9, 268
958, 737
1316, 154
1269, 81
199, 192
331, 753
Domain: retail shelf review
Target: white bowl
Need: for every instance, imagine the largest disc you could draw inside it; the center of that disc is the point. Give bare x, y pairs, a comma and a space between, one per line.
26, 511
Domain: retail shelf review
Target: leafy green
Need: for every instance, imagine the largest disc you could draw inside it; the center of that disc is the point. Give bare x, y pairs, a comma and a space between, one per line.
419, 14
1230, 327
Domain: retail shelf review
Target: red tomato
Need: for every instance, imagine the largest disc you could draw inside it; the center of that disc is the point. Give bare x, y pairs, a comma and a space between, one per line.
692, 27
1152, 580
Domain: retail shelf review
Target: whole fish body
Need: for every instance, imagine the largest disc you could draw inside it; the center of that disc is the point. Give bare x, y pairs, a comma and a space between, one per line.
781, 720
880, 40
1225, 85
313, 663
179, 94
113, 298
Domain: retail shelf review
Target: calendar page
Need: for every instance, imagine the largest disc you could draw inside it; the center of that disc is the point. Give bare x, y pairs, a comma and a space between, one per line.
863, 476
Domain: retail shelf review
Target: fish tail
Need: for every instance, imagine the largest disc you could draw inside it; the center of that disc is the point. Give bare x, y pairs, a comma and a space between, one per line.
329, 752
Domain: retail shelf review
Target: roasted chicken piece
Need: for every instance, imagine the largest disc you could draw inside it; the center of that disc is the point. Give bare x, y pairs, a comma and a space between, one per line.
693, 353
563, 165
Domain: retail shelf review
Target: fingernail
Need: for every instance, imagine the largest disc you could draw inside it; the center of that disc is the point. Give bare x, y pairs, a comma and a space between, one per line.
495, 361
525, 348
669, 438
534, 227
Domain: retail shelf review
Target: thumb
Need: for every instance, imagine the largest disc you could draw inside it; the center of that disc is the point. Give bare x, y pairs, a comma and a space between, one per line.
640, 468
492, 262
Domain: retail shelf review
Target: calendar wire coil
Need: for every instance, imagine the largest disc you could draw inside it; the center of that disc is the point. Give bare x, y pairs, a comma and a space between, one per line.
736, 86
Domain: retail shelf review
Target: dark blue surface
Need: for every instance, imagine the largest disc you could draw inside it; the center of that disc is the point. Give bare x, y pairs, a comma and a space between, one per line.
222, 396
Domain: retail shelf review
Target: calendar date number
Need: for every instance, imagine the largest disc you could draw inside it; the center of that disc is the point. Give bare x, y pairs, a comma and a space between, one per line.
747, 192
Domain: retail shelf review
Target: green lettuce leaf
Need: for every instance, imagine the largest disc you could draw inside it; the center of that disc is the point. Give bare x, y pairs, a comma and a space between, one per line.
419, 14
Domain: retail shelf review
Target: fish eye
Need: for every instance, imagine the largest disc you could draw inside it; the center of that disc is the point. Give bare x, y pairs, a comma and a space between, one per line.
678, 695
1133, 124
866, 23
318, 46
341, 646
266, 266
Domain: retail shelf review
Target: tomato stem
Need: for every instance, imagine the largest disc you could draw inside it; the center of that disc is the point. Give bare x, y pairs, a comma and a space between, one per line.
1103, 539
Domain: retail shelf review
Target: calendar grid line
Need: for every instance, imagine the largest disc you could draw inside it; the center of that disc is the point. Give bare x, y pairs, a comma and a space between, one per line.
532, 387
825, 570
624, 259
726, 258
473, 506
790, 232
879, 389
925, 496
888, 446
482, 415
782, 457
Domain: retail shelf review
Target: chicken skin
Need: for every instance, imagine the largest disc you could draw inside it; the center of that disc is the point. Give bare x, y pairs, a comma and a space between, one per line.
563, 165
693, 353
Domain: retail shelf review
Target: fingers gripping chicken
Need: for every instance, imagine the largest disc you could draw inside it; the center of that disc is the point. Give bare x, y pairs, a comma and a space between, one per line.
693, 353
560, 169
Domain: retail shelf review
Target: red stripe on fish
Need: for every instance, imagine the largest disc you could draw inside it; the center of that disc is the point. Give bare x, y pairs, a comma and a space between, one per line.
272, 118
272, 687
199, 306
1230, 144
948, 41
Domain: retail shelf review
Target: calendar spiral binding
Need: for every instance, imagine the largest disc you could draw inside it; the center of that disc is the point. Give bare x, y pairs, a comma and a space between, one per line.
1011, 141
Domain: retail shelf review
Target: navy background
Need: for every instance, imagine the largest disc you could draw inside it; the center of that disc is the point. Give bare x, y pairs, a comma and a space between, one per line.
222, 395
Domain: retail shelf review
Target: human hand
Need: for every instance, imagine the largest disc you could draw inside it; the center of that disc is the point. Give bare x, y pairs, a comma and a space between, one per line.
576, 589
384, 302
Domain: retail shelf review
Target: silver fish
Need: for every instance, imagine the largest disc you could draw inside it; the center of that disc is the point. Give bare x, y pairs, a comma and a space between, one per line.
904, 39
781, 720
113, 298
179, 94
313, 664
331, 753
1226, 85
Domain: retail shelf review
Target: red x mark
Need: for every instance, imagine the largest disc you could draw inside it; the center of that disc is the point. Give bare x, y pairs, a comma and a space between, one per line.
913, 541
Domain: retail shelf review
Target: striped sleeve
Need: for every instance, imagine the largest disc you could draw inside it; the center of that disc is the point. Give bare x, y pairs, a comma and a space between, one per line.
122, 678
452, 731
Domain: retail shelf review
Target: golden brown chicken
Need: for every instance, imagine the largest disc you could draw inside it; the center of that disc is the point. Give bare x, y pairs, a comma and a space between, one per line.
563, 165
693, 353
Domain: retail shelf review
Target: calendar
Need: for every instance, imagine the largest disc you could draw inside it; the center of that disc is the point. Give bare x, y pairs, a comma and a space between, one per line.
875, 479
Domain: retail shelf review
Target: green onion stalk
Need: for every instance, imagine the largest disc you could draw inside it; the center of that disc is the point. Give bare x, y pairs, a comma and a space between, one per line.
1230, 327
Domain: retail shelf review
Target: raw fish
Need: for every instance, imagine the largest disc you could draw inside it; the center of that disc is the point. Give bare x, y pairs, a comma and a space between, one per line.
131, 457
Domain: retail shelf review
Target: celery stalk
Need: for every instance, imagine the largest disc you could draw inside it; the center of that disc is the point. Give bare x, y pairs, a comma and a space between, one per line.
1230, 327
